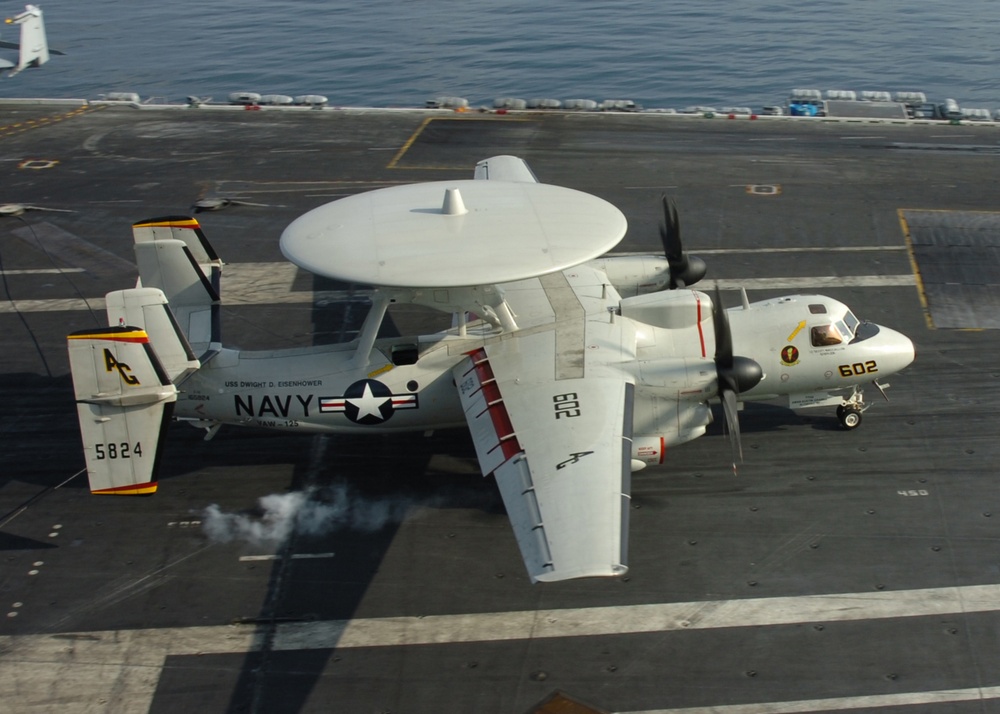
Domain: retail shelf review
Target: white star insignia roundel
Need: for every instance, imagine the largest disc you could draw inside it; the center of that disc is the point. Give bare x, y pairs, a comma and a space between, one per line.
367, 402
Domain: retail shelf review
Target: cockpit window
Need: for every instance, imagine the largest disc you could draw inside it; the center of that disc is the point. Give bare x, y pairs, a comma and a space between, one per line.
817, 309
848, 335
852, 321
826, 335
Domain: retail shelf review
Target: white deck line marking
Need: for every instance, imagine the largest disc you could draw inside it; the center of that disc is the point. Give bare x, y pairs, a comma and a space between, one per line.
266, 297
270, 284
835, 281
41, 271
835, 249
538, 624
793, 249
634, 619
294, 556
943, 696
261, 298
56, 305
77, 669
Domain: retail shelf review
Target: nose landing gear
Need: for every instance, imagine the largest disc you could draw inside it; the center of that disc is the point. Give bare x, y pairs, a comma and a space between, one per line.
849, 413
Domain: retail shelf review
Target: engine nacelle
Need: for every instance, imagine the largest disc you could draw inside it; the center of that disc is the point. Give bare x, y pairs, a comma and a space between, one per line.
635, 274
652, 450
648, 451
672, 310
681, 379
662, 422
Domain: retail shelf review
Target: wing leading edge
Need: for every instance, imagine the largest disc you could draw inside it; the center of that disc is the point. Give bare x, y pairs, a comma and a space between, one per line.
560, 450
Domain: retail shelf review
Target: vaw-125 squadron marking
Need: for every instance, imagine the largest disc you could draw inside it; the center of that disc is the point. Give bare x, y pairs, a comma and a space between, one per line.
571, 371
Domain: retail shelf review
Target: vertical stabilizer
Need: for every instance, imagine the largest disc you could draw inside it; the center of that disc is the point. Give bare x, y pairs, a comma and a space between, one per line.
147, 309
186, 229
124, 403
174, 256
34, 45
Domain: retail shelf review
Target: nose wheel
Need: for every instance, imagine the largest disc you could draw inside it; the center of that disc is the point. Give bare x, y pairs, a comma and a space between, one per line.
849, 413
849, 416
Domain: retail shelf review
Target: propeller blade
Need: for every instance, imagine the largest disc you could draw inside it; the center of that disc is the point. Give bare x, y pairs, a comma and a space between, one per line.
670, 231
16, 209
730, 408
684, 270
723, 335
215, 204
736, 374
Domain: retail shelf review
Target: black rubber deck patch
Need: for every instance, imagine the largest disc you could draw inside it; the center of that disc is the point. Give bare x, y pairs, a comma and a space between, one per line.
957, 258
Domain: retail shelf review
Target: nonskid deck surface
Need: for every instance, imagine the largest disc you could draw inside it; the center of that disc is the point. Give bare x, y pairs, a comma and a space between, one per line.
838, 571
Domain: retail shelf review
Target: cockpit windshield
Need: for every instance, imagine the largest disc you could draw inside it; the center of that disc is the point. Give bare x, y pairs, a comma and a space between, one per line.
833, 333
826, 335
852, 321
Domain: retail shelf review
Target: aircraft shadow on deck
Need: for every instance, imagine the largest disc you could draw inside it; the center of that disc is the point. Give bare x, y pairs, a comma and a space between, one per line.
383, 476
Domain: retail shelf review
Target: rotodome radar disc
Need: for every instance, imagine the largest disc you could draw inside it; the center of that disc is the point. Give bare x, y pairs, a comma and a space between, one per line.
453, 233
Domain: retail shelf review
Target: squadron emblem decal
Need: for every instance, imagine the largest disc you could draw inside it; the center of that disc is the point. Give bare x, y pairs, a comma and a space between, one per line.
368, 402
789, 355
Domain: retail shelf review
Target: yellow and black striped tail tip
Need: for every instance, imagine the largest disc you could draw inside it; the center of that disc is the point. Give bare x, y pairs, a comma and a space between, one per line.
115, 334
135, 489
169, 222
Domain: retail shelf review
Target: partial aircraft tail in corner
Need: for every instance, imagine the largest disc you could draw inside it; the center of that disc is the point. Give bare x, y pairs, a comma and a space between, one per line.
175, 257
124, 403
34, 44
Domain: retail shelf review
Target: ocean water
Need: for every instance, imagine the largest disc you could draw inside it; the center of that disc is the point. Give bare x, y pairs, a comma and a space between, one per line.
665, 53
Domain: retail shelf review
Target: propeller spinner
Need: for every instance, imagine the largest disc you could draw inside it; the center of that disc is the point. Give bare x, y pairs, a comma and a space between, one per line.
684, 270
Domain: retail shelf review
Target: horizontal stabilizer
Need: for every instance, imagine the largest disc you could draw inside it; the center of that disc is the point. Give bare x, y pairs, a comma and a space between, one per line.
505, 168
124, 402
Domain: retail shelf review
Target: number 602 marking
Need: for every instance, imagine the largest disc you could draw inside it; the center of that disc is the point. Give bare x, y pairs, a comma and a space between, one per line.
858, 369
566, 405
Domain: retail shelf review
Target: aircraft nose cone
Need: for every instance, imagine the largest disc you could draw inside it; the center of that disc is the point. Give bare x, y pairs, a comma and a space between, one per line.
896, 350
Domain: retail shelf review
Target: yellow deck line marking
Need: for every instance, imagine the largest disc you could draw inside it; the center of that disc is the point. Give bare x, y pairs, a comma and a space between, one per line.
408, 143
19, 127
393, 164
919, 281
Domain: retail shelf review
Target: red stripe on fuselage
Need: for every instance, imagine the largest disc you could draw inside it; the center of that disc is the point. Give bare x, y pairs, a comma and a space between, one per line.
701, 334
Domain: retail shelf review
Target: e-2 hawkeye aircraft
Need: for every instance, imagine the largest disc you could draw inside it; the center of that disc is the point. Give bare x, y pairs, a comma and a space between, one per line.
571, 370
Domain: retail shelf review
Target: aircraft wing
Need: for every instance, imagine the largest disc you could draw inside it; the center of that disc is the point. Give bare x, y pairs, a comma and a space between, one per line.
560, 449
505, 168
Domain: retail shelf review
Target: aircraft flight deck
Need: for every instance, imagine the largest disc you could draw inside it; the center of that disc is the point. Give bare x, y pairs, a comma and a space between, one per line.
838, 570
